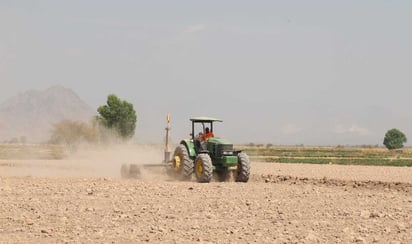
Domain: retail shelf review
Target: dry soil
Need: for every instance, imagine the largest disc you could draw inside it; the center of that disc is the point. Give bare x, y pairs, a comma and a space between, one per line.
56, 202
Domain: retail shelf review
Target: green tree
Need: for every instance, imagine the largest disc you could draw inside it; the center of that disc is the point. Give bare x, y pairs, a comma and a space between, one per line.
118, 115
394, 139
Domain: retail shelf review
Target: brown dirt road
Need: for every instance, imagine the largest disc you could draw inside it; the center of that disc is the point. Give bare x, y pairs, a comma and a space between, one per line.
282, 203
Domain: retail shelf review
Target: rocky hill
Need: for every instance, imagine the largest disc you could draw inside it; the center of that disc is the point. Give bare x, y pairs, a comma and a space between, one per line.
33, 113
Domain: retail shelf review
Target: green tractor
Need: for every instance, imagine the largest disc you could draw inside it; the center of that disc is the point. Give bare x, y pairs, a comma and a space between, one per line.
205, 156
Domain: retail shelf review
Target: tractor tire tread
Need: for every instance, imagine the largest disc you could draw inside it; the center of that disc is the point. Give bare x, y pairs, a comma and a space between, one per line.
188, 166
243, 171
207, 165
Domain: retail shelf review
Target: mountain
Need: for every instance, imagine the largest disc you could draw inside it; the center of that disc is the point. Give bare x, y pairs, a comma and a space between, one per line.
33, 113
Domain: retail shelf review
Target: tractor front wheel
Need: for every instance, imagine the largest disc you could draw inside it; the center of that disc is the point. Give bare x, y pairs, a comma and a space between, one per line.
243, 168
203, 168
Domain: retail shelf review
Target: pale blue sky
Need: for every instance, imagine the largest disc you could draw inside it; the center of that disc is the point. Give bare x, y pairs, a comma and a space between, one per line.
281, 72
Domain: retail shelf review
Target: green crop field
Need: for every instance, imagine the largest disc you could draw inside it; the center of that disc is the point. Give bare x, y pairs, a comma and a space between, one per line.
330, 155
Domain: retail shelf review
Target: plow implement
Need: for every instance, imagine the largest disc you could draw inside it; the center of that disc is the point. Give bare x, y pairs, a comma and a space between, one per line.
134, 171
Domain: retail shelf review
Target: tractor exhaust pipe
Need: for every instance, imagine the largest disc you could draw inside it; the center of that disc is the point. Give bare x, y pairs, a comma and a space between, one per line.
167, 147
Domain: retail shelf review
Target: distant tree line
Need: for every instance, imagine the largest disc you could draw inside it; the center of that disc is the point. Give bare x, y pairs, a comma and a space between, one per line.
17, 140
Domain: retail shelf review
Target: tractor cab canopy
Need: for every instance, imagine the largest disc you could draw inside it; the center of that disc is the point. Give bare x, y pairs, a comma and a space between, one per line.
205, 122
205, 119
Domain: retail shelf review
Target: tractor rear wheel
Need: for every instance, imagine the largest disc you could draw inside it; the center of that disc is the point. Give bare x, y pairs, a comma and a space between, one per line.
182, 164
243, 168
203, 168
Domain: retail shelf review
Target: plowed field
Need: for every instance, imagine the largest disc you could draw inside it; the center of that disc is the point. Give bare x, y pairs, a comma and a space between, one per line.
53, 202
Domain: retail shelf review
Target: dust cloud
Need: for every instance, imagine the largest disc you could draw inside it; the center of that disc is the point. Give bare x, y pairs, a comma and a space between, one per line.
91, 161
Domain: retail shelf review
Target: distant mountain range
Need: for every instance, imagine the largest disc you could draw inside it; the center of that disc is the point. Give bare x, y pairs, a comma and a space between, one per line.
32, 114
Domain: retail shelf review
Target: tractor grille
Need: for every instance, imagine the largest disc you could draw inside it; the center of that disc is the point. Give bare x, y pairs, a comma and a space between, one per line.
220, 149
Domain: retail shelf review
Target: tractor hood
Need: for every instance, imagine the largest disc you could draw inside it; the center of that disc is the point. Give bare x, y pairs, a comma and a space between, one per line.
219, 141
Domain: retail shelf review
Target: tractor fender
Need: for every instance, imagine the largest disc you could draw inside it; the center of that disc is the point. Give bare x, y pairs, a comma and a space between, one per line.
190, 147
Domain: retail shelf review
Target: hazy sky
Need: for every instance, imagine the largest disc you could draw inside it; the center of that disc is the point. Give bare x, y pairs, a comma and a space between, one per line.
281, 72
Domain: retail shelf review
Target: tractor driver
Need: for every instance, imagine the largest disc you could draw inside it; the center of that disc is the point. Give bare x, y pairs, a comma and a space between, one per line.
208, 134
